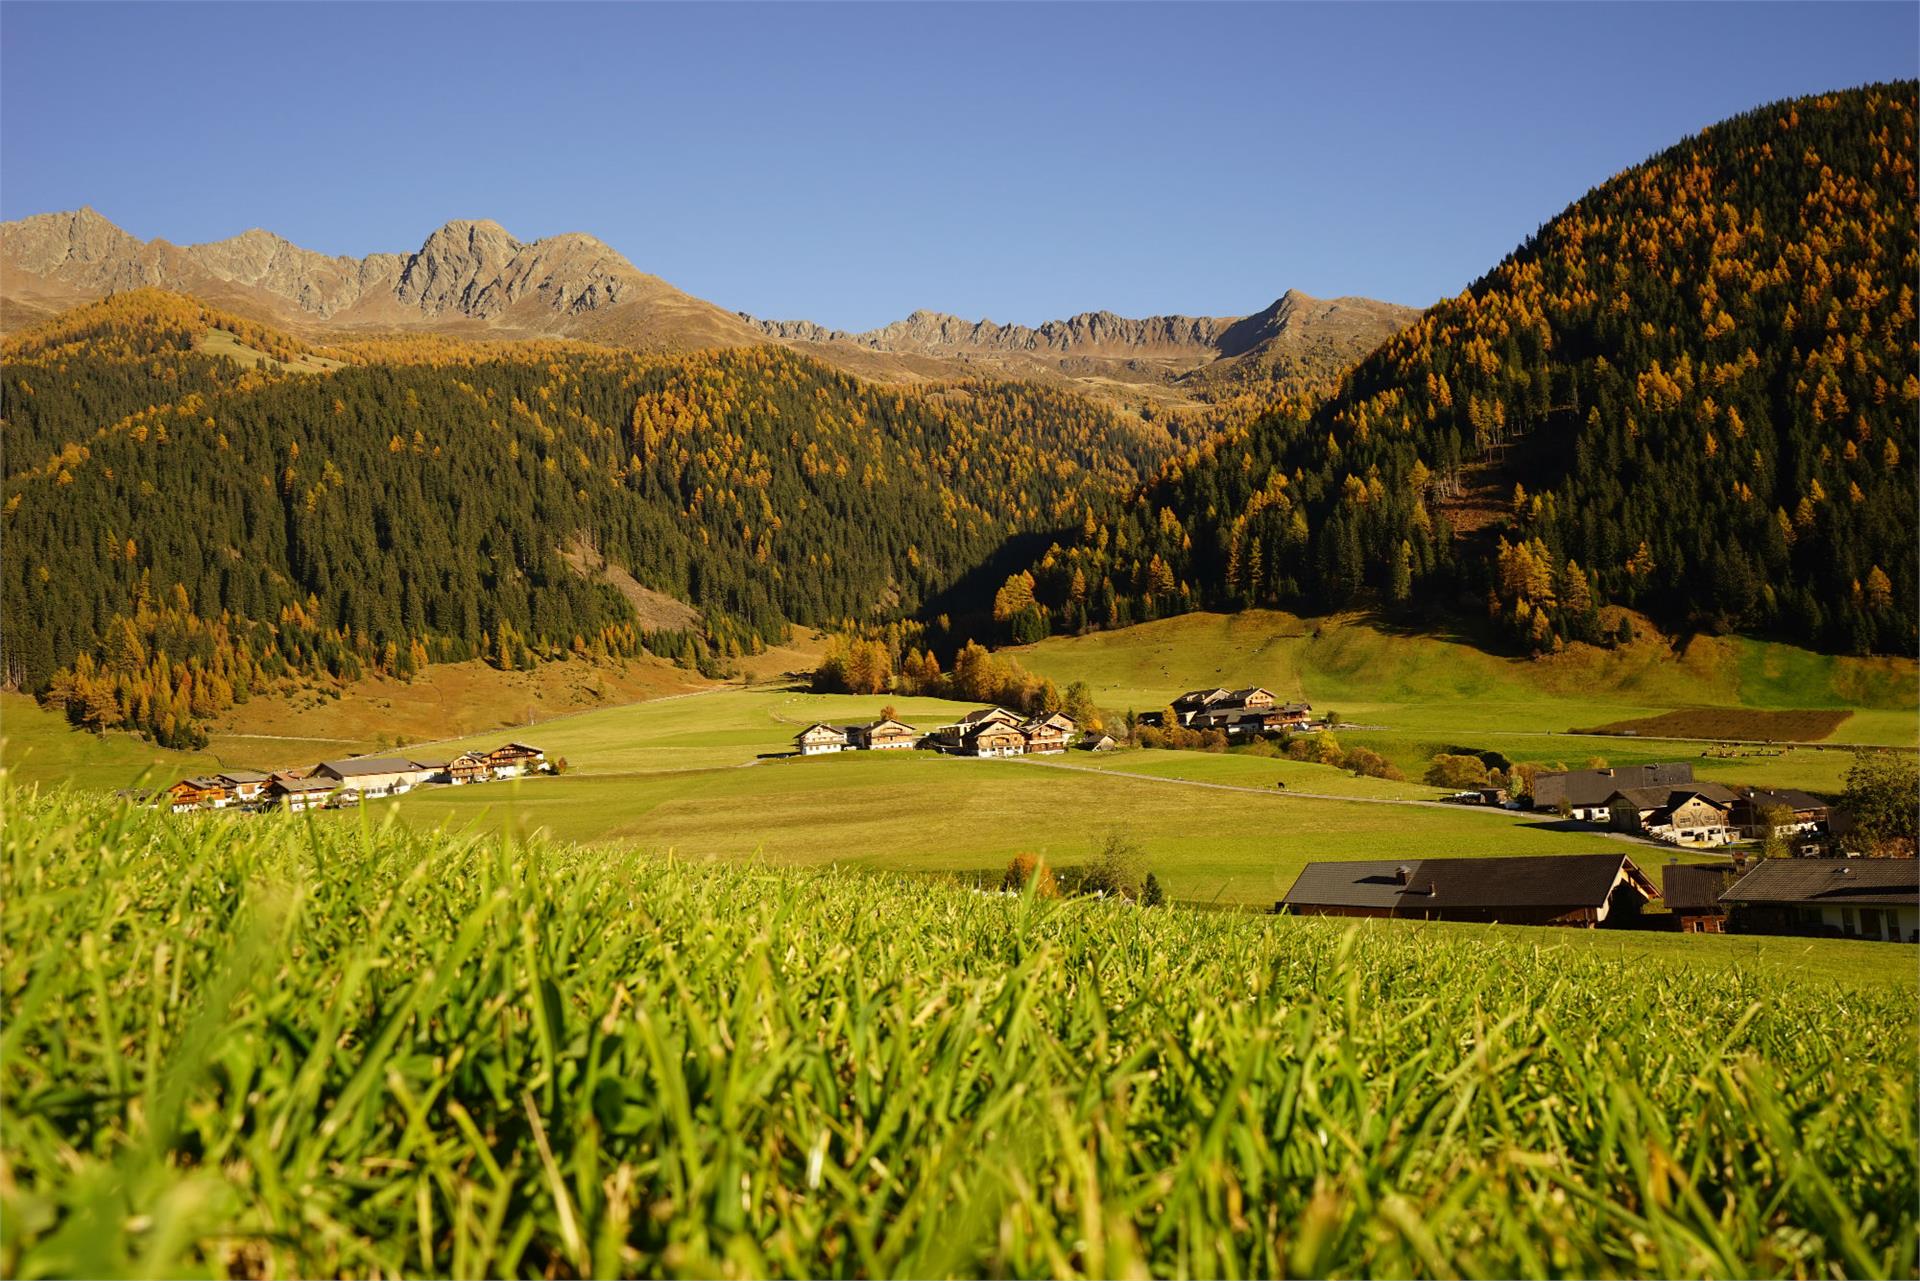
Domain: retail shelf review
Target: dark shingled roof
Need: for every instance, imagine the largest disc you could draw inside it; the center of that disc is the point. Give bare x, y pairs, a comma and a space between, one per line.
1695, 887
1659, 797
1546, 880
1839, 881
1793, 798
1586, 787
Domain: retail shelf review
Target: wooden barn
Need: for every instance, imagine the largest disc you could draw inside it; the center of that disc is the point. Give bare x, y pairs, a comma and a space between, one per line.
1584, 890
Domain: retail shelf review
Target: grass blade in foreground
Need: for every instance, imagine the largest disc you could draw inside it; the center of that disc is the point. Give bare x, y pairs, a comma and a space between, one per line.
263, 1046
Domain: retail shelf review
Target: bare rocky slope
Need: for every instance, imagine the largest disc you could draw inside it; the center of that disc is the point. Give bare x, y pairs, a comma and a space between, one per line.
475, 278
1295, 343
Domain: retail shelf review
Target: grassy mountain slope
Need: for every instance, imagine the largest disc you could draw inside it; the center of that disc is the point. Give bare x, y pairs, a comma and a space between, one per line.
427, 500
1692, 393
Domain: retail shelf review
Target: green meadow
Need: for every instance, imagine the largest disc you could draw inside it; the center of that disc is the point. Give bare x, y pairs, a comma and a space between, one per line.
919, 812
295, 1046
1411, 695
708, 776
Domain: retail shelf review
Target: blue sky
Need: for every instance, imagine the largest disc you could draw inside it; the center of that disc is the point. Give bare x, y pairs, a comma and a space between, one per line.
848, 163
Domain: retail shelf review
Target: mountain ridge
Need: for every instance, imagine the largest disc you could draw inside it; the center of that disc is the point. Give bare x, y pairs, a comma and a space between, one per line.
473, 276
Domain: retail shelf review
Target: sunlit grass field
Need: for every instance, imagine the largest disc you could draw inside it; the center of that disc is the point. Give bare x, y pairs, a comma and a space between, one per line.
282, 1047
1420, 694
918, 812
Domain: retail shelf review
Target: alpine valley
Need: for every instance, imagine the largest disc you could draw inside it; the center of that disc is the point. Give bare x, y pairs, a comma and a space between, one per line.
1689, 400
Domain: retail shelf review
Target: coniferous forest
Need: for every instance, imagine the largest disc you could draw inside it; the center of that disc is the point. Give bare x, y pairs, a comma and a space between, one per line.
182, 526
1693, 393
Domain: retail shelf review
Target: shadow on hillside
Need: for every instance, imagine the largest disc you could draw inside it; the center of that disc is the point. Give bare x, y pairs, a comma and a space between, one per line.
970, 597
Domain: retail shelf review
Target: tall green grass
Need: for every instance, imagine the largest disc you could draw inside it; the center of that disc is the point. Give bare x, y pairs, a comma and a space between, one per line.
270, 1046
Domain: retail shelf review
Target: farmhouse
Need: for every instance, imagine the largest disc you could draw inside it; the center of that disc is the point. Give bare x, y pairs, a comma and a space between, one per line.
1584, 793
468, 767
1234, 711
373, 776
956, 737
512, 759
1196, 701
297, 794
1099, 743
883, 736
1800, 814
197, 793
1046, 735
819, 739
991, 738
1866, 898
245, 785
1693, 815
1238, 722
1585, 890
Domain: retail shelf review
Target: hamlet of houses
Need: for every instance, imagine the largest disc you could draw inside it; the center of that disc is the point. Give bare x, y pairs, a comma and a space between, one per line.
1662, 802
990, 731
349, 781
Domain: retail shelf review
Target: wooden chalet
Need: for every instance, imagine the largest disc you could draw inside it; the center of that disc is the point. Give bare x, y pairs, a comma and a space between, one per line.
993, 738
1584, 890
820, 739
511, 759
1697, 814
954, 737
1241, 722
468, 767
298, 794
883, 736
1864, 898
1235, 712
245, 786
1196, 701
204, 793
1099, 743
1584, 793
1049, 734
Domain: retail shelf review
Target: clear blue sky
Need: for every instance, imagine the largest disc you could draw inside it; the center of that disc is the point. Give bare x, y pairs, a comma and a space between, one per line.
850, 163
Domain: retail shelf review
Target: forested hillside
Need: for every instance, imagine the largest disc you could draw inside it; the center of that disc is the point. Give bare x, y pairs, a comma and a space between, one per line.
1692, 393
180, 528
